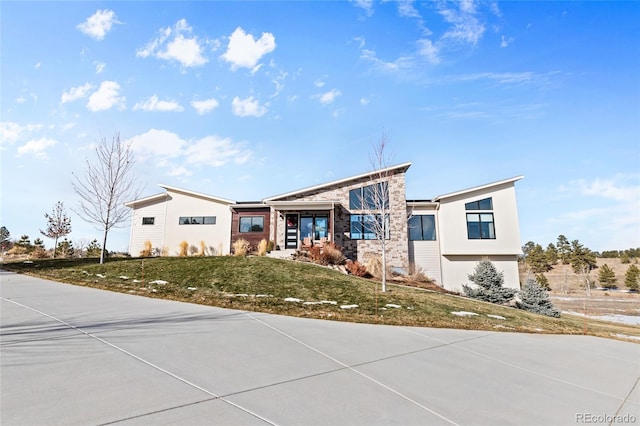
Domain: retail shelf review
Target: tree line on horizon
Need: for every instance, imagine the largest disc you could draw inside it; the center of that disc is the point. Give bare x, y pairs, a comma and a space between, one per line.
539, 260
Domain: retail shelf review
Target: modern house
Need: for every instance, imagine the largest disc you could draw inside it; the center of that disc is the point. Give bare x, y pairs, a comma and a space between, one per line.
445, 237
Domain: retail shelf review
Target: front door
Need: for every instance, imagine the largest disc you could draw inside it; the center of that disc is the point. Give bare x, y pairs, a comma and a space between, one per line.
291, 232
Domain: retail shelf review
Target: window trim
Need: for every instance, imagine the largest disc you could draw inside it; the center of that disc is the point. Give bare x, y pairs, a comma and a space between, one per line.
252, 225
422, 228
360, 223
196, 220
491, 226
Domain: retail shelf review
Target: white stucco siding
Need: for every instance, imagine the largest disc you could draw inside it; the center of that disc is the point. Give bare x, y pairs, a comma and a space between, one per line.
141, 233
456, 269
453, 223
216, 237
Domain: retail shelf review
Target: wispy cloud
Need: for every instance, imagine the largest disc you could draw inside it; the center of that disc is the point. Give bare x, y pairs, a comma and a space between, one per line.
466, 26
154, 104
329, 97
11, 132
244, 51
99, 24
365, 5
76, 93
106, 97
396, 65
506, 41
176, 44
248, 107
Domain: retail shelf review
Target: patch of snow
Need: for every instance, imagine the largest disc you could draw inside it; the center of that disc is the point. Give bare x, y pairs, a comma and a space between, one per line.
123, 277
292, 299
192, 288
625, 336
263, 295
160, 282
383, 309
411, 308
500, 317
392, 305
131, 291
622, 319
86, 273
464, 314
153, 290
241, 295
101, 276
348, 306
329, 302
28, 261
135, 281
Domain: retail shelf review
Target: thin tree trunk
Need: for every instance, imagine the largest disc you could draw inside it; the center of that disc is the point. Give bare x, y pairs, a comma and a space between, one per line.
55, 247
104, 245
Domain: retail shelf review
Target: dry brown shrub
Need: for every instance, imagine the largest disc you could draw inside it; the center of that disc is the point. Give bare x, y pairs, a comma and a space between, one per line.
374, 265
356, 268
332, 254
184, 247
147, 250
240, 247
262, 247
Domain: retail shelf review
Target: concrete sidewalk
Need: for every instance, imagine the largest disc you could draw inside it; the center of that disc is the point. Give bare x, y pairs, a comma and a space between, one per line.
74, 355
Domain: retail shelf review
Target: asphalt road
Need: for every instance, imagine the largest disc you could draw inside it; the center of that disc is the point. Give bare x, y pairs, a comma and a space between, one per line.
79, 356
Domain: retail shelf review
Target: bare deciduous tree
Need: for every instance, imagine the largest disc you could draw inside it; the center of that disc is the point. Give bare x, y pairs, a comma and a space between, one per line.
58, 225
105, 186
375, 199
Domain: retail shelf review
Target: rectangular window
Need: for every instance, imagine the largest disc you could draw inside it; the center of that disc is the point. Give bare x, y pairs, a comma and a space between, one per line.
252, 224
148, 220
485, 204
422, 228
368, 226
197, 220
314, 227
371, 197
480, 226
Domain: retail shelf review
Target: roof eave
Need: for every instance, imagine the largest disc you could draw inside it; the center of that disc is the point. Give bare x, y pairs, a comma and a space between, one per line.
478, 188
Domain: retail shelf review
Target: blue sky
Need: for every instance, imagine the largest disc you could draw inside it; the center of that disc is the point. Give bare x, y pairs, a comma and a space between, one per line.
244, 100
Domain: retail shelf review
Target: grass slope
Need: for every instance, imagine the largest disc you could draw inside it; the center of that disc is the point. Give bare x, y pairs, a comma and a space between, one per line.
262, 284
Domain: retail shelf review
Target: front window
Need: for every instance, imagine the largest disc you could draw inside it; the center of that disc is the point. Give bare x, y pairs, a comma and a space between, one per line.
480, 226
314, 227
197, 220
368, 226
252, 224
422, 228
371, 197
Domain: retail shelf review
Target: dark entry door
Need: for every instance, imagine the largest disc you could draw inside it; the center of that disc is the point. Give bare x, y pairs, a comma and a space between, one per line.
291, 237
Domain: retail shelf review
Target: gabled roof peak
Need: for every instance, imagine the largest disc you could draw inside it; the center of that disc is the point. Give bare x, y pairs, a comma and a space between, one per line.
478, 188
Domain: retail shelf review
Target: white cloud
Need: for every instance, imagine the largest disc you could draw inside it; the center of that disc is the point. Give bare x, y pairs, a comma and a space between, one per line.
11, 132
247, 107
76, 93
365, 5
21, 99
166, 149
397, 65
505, 42
245, 51
153, 104
319, 83
37, 65
407, 10
364, 101
176, 44
36, 147
100, 66
106, 97
205, 106
615, 188
98, 24
328, 97
465, 25
429, 51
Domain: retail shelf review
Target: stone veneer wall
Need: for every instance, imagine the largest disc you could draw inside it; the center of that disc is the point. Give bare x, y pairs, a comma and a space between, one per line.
397, 245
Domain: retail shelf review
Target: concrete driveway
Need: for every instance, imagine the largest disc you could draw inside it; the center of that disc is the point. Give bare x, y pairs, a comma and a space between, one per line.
76, 356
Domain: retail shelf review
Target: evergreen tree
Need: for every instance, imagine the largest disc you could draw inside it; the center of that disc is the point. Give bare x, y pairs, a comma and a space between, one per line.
489, 284
536, 260
534, 298
93, 249
24, 244
543, 281
58, 225
5, 238
564, 249
552, 254
581, 258
607, 277
632, 278
65, 248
